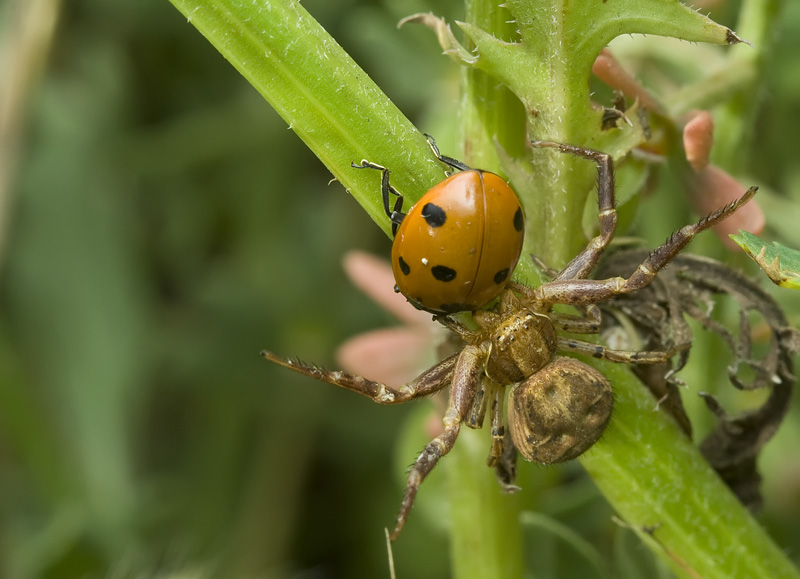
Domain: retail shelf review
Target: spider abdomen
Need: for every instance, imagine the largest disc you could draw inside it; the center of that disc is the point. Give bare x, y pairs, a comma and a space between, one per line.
560, 411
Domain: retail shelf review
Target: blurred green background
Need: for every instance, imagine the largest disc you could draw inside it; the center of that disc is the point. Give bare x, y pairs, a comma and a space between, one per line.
160, 226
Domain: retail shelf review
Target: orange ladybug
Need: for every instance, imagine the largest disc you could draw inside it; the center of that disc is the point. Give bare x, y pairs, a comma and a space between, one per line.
456, 247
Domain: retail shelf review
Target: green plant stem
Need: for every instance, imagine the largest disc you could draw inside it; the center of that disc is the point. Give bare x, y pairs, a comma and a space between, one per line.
660, 484
486, 531
490, 115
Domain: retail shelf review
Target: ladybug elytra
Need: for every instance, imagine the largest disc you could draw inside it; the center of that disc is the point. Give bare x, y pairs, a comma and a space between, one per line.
456, 247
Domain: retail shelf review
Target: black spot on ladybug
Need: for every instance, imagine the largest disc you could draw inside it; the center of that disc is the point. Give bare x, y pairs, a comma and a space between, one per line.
403, 266
501, 276
433, 215
443, 273
519, 220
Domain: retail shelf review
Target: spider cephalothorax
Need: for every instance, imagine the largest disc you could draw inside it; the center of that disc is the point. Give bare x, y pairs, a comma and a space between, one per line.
558, 406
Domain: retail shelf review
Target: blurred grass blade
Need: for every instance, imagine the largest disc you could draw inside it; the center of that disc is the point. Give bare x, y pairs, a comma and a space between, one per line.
579, 545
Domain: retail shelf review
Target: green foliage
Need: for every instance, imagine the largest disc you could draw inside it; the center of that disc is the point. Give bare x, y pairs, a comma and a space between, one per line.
780, 263
165, 226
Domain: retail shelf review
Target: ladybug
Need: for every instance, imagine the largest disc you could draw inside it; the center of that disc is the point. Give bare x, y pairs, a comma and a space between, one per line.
455, 248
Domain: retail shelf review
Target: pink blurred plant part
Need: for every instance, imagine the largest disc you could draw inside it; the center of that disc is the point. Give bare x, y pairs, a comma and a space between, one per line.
610, 71
698, 137
713, 187
393, 356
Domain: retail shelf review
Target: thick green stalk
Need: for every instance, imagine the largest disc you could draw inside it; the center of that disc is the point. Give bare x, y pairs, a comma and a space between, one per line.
662, 487
486, 532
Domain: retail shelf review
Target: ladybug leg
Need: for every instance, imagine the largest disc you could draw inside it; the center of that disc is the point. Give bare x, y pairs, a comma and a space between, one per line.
591, 291
582, 264
427, 383
395, 213
466, 382
621, 356
454, 163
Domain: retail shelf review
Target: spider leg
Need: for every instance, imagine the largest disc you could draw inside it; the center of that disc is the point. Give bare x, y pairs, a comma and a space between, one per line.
588, 323
426, 383
583, 263
506, 467
477, 412
590, 291
498, 426
622, 356
466, 377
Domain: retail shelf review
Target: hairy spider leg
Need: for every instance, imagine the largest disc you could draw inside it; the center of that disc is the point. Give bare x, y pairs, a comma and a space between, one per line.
497, 423
588, 322
468, 371
463, 371
592, 291
583, 263
620, 356
477, 413
427, 383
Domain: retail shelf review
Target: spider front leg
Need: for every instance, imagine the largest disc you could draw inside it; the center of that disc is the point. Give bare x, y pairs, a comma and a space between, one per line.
466, 381
427, 383
583, 263
590, 291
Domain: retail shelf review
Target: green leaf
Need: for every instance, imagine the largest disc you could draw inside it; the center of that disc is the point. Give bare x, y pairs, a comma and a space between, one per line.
666, 492
323, 95
559, 45
780, 263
